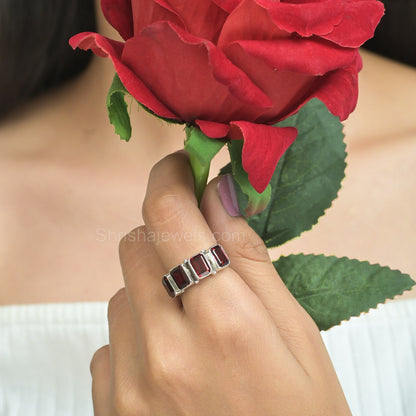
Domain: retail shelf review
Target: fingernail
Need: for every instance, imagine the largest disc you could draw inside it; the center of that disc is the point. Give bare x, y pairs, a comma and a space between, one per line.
228, 195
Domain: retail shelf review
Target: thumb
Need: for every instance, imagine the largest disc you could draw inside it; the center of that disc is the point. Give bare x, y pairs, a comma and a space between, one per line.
247, 251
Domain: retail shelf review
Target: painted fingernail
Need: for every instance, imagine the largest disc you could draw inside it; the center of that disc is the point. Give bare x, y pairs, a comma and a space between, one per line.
228, 195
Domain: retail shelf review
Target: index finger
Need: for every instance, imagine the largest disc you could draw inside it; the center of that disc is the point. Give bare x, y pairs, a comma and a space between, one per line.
171, 213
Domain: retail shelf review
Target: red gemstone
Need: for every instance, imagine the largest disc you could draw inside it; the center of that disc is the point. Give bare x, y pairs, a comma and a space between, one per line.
168, 287
180, 277
220, 256
200, 265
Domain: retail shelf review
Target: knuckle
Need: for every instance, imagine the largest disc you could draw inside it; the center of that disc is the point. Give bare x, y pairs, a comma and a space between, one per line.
134, 251
301, 329
163, 205
229, 328
127, 401
160, 372
160, 366
304, 324
251, 247
128, 244
166, 368
100, 356
117, 304
310, 328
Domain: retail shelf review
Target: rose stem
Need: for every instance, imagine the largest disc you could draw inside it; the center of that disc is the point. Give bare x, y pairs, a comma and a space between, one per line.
200, 173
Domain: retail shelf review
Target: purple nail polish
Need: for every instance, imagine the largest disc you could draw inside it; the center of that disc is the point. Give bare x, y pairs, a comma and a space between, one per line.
228, 195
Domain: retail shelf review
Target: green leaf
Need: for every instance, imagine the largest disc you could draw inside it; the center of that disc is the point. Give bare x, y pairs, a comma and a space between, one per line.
166, 120
249, 200
118, 113
201, 146
333, 289
225, 169
307, 177
201, 151
117, 109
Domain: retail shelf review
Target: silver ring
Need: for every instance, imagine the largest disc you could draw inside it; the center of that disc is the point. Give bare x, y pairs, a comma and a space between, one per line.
192, 270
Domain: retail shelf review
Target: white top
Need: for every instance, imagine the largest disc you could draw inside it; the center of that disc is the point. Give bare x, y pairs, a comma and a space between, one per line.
45, 351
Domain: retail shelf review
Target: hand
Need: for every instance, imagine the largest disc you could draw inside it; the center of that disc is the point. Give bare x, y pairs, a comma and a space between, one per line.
237, 343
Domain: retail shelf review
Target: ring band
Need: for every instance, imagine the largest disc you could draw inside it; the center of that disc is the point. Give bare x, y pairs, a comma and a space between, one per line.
192, 270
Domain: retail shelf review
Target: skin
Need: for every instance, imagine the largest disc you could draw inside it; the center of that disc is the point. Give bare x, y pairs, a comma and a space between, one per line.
71, 190
237, 344
63, 175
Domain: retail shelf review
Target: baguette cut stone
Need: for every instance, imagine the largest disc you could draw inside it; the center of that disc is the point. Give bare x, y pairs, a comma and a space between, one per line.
179, 276
168, 287
220, 257
200, 265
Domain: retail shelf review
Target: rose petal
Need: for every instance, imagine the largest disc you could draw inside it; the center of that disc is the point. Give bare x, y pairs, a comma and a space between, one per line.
358, 23
311, 56
339, 90
286, 89
249, 21
119, 14
306, 19
147, 12
227, 5
202, 18
104, 47
192, 76
345, 22
262, 149
213, 129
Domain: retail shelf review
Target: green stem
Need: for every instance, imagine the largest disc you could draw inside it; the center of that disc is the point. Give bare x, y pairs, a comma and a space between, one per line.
200, 173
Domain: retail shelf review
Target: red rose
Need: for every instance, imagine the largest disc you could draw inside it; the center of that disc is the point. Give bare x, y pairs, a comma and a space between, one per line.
234, 67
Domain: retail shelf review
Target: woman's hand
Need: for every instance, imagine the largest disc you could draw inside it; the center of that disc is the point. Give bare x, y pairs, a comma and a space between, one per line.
237, 343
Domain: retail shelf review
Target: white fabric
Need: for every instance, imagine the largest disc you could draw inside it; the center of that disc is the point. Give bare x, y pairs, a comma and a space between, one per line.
45, 352
375, 359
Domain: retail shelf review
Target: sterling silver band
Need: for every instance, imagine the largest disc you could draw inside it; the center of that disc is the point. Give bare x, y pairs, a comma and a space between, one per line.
194, 269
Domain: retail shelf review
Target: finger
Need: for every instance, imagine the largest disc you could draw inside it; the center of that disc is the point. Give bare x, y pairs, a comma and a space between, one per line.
126, 357
171, 213
101, 382
142, 272
250, 256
